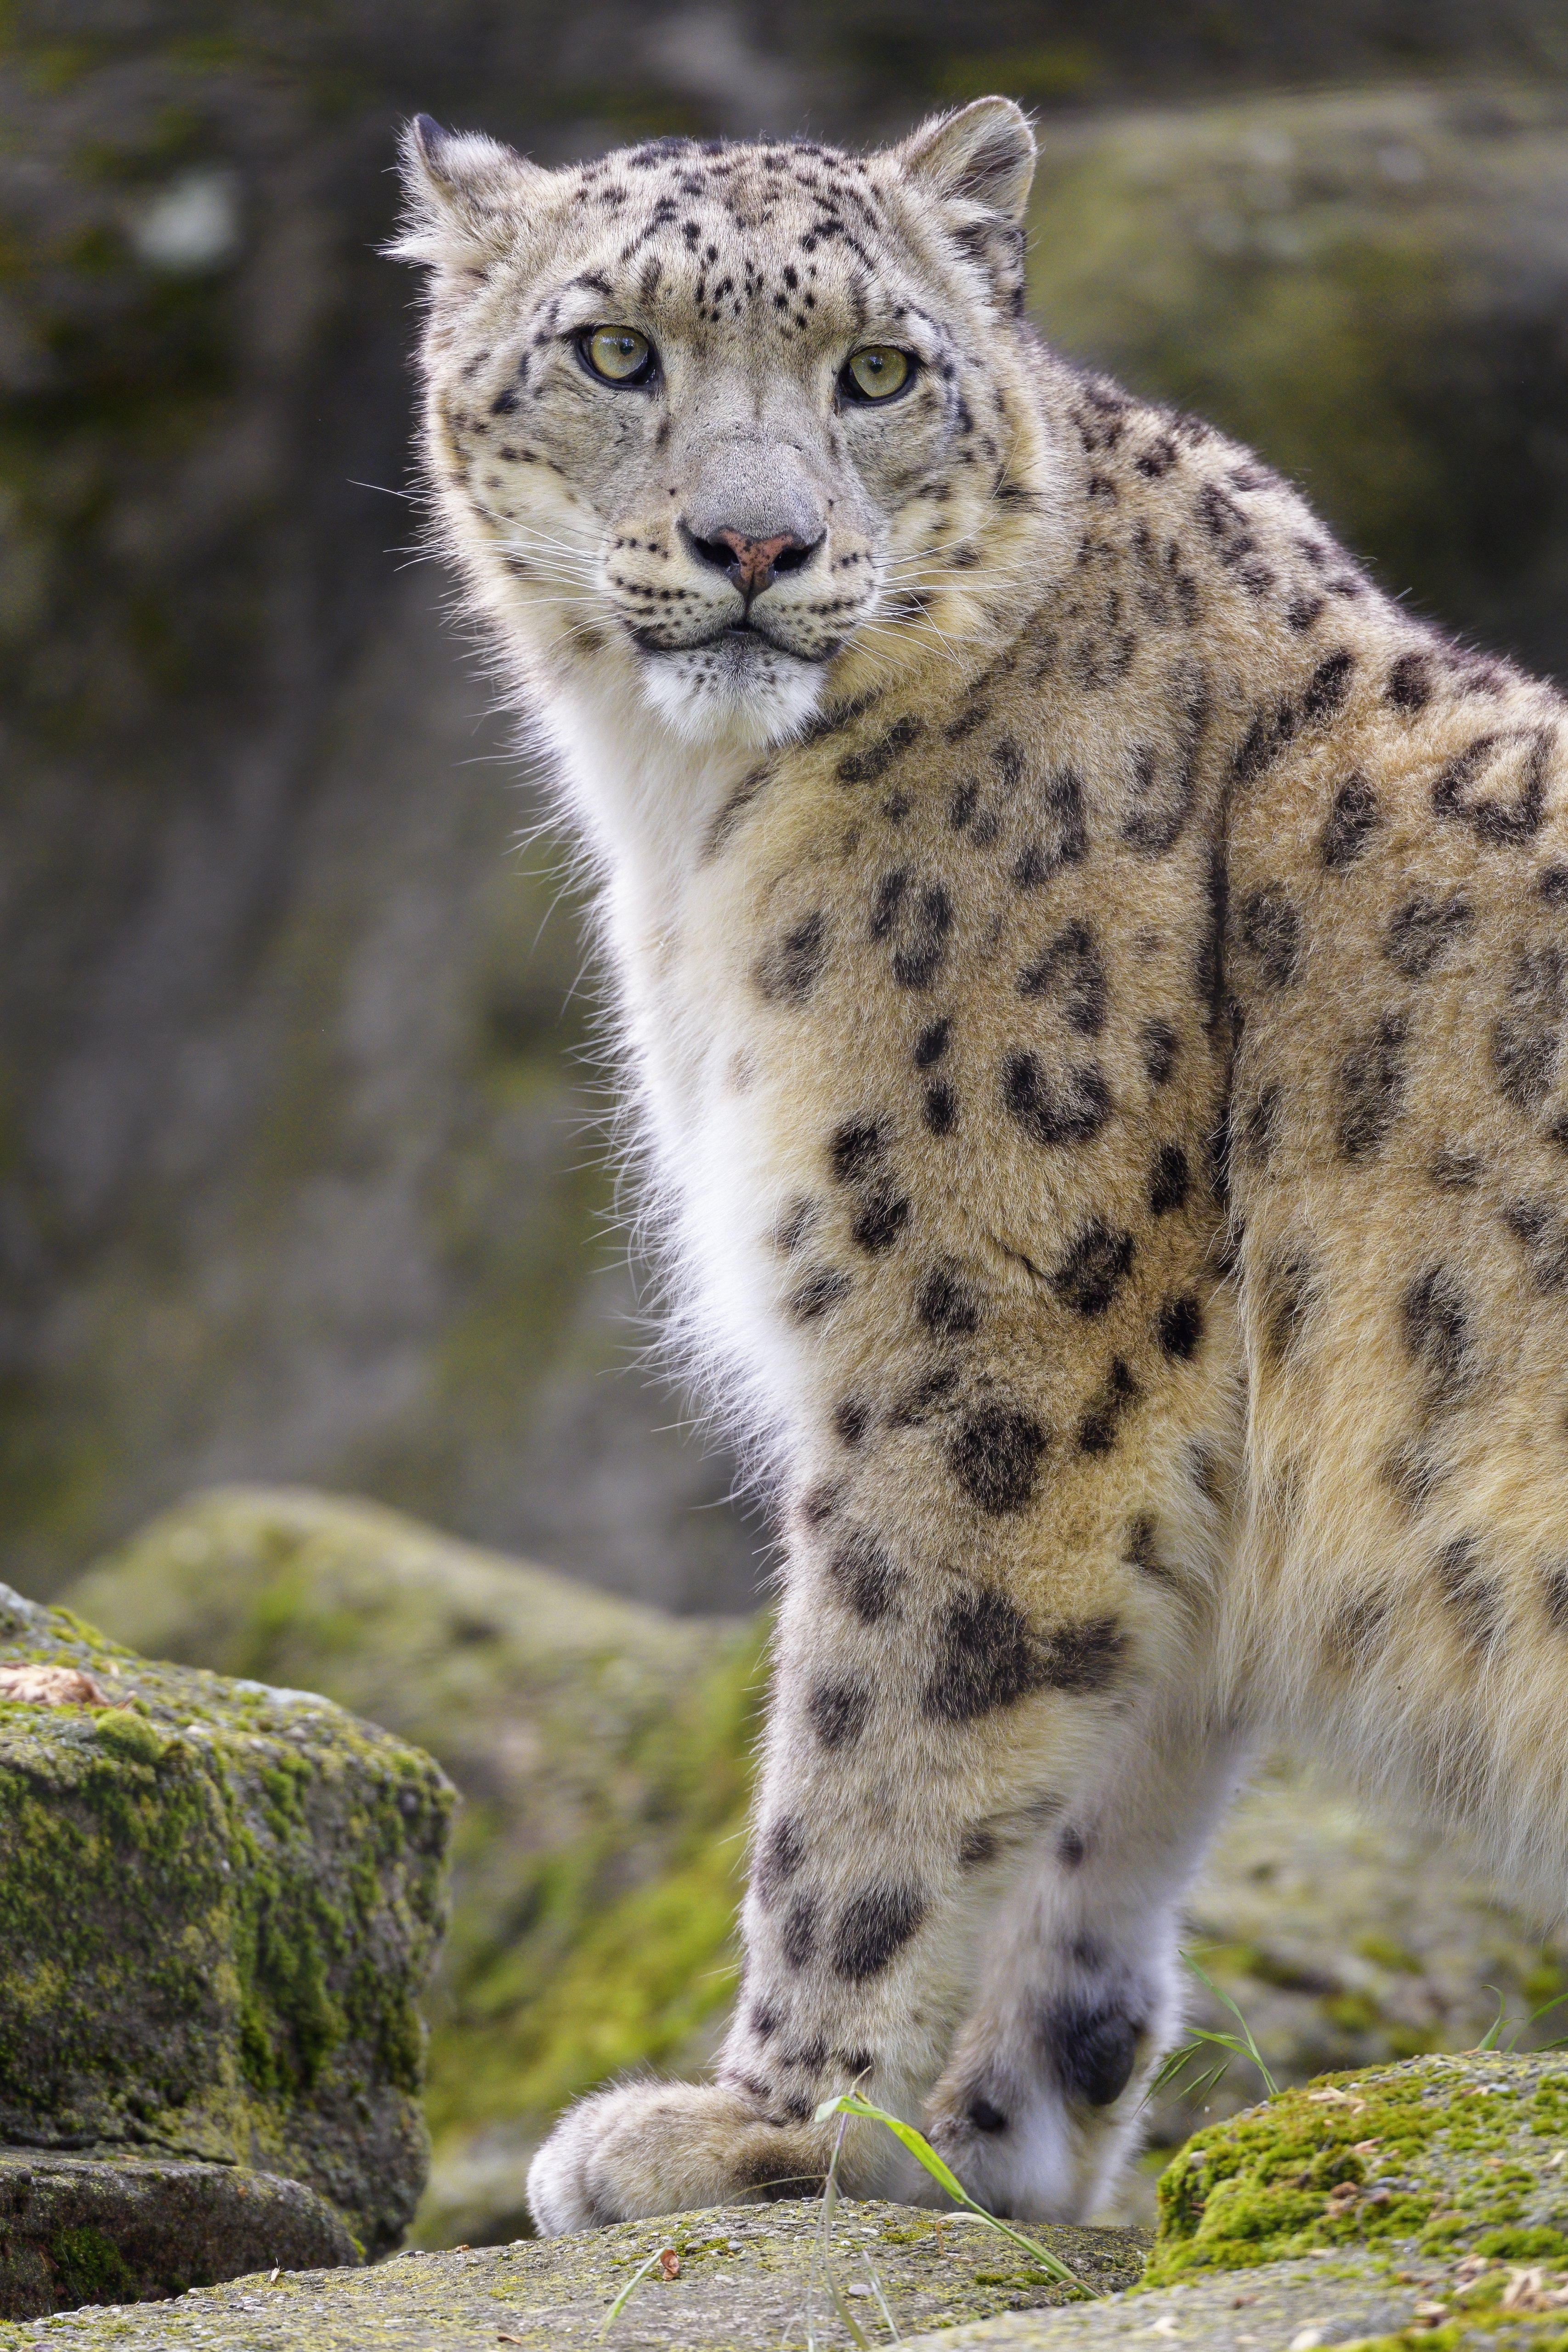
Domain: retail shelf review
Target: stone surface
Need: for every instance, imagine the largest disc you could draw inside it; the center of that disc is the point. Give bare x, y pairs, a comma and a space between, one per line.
602, 1749
109, 2227
218, 1903
750, 2280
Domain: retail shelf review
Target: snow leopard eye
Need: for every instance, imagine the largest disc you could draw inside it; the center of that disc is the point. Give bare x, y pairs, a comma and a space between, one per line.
880, 372
619, 354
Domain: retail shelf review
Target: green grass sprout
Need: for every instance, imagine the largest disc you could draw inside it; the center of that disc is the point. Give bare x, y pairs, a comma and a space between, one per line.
627, 2292
850, 2102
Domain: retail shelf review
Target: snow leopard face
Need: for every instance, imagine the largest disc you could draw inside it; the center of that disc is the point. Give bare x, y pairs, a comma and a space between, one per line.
719, 423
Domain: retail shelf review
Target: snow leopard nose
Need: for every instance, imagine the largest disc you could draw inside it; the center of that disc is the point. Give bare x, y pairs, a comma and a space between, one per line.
752, 564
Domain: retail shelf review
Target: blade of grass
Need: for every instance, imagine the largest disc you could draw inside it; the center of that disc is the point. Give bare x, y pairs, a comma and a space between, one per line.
1248, 2048
1493, 2033
850, 2102
627, 2292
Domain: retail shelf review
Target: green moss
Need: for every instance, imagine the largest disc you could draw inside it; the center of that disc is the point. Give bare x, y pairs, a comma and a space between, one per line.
90, 2268
216, 1910
1434, 2157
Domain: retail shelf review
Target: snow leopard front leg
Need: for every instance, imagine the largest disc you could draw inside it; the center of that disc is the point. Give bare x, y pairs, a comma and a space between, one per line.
934, 1752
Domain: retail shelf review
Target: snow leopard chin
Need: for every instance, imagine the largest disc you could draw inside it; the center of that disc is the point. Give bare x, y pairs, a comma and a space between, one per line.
739, 690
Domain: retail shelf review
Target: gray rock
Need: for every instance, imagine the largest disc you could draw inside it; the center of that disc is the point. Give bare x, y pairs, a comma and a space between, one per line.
218, 1903
104, 2226
749, 2278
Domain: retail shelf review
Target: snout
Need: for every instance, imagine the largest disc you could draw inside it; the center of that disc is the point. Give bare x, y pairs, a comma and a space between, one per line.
751, 565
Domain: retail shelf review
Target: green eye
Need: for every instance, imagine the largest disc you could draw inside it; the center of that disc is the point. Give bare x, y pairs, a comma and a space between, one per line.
617, 353
876, 373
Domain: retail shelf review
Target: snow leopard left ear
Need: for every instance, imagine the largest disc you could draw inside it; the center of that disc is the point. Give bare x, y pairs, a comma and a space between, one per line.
979, 164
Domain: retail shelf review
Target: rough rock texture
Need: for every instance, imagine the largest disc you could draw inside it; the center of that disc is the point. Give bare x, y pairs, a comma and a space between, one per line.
602, 1751
107, 2227
748, 2279
218, 1903
293, 1181
1419, 2204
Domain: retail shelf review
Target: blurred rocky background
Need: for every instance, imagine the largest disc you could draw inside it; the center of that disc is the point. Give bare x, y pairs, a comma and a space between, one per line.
303, 1179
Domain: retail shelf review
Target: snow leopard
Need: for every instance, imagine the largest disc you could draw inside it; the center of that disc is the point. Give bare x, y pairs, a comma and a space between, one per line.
1090, 966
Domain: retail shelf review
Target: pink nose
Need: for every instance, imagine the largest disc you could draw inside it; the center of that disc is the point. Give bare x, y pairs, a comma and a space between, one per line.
753, 569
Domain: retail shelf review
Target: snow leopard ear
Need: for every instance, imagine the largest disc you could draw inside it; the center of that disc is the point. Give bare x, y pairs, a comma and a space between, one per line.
466, 198
978, 165
984, 154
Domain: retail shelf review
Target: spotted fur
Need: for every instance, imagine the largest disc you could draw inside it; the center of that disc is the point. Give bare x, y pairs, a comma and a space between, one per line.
1093, 969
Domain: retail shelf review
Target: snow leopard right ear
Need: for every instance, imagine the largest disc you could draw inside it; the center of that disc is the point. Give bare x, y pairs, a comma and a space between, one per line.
466, 198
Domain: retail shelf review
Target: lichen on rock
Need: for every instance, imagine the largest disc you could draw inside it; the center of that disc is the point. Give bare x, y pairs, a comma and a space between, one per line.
218, 1904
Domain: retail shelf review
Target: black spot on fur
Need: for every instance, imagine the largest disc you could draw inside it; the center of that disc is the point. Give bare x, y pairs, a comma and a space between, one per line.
851, 1416
994, 1456
1160, 1046
1525, 1040
1270, 930
1097, 1429
779, 1856
1542, 1231
1180, 1325
932, 1043
872, 1927
1140, 1548
1071, 1848
1422, 931
865, 767
1436, 1328
1063, 839
1288, 1292
1371, 1088
824, 1288
1267, 736
797, 1938
838, 1712
1473, 1595
854, 1150
1093, 1267
988, 1656
1168, 1179
790, 969
763, 2021
1091, 2051
946, 1304
880, 1218
977, 1846
1554, 1592
1516, 760
1350, 824
1049, 1113
1552, 883
1328, 689
941, 1108
1410, 682
1071, 968
866, 1575
915, 921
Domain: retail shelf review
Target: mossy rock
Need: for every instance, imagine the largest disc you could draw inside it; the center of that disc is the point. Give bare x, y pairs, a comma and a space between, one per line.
603, 1752
107, 2227
744, 2280
218, 1904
